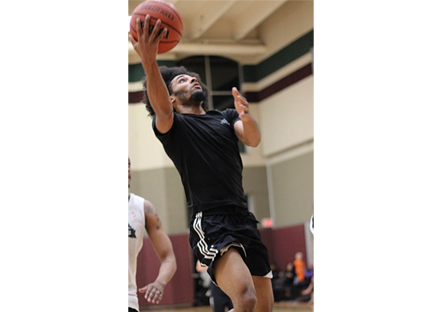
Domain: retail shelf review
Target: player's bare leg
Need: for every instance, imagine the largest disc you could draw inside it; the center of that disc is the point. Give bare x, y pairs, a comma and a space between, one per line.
233, 276
263, 288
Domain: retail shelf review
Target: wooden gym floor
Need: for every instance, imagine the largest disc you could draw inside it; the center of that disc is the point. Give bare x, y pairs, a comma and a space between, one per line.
282, 306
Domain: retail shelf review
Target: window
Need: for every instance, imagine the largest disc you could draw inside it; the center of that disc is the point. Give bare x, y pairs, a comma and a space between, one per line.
220, 75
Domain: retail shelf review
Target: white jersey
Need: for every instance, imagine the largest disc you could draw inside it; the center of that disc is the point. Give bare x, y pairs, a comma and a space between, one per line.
136, 228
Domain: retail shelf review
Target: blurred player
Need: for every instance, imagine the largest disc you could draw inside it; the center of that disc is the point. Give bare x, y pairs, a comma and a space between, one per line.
143, 216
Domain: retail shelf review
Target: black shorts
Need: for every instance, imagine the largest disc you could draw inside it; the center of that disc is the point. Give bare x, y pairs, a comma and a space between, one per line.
213, 232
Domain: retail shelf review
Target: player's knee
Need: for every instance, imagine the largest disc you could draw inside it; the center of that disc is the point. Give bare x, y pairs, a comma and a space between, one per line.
248, 301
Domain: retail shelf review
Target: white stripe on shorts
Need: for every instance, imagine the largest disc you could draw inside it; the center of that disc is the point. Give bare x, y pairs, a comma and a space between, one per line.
202, 245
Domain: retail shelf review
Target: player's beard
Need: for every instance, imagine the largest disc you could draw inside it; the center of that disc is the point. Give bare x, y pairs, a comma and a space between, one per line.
198, 96
196, 99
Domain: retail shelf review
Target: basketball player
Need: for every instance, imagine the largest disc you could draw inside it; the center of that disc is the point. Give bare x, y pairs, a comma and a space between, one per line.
203, 146
142, 214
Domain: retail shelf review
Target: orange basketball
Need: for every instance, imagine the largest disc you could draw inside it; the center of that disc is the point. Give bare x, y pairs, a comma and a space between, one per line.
169, 16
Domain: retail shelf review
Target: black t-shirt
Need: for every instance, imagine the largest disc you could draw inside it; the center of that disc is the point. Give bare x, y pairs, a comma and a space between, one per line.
204, 150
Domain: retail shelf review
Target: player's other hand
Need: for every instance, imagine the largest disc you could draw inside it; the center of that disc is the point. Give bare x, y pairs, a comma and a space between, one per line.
153, 292
241, 104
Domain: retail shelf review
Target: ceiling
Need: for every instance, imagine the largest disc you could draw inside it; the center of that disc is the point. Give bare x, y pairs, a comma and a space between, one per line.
225, 27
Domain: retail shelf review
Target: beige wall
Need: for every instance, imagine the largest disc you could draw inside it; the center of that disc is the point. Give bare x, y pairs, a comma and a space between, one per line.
292, 184
287, 118
255, 186
164, 189
144, 149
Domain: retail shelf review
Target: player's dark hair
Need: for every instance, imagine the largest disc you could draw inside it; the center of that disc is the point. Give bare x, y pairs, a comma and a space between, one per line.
168, 73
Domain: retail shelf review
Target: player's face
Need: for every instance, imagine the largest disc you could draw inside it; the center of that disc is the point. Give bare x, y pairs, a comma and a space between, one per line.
185, 83
187, 88
129, 172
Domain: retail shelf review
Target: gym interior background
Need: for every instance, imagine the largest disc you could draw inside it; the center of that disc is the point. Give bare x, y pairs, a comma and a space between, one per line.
266, 49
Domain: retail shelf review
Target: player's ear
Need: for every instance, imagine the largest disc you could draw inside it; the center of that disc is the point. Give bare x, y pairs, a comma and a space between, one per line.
173, 99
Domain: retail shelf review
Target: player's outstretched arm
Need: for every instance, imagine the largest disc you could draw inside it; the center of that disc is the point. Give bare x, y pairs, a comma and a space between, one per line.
247, 130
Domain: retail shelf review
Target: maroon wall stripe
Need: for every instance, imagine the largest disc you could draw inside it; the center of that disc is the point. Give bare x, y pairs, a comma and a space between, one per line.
253, 97
281, 84
135, 97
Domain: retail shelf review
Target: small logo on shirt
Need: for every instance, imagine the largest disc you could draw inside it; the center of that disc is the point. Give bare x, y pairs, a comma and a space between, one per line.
131, 232
224, 121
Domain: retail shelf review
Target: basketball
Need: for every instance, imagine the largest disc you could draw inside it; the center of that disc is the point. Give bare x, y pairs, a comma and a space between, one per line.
169, 16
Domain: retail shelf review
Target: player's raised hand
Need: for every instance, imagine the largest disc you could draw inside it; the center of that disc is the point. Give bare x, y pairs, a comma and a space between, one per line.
241, 104
148, 39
